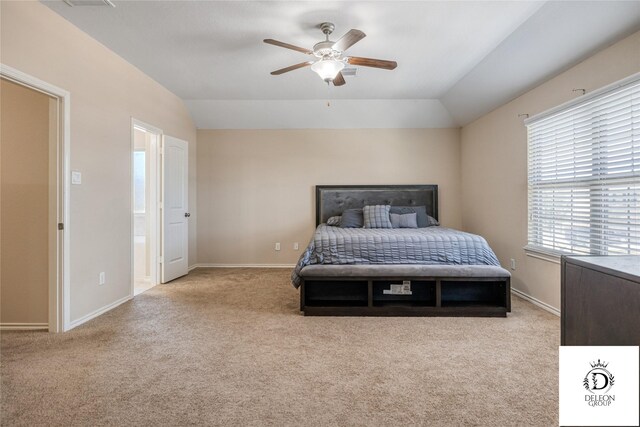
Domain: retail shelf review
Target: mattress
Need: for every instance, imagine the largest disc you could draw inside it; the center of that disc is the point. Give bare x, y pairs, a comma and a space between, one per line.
429, 246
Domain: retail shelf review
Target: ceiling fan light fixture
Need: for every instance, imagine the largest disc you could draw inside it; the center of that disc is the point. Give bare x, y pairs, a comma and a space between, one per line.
328, 69
331, 62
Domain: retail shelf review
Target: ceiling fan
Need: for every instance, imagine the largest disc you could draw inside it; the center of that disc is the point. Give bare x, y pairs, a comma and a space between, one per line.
330, 58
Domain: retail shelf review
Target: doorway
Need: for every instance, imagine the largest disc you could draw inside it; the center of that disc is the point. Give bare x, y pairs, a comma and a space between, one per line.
35, 203
24, 177
145, 223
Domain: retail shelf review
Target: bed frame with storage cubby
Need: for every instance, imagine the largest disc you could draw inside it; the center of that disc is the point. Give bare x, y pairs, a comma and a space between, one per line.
436, 290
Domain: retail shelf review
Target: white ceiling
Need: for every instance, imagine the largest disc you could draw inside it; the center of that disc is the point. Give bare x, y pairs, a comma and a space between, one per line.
456, 60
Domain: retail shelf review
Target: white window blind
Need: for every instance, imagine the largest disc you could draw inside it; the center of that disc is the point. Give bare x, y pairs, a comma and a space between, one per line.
584, 175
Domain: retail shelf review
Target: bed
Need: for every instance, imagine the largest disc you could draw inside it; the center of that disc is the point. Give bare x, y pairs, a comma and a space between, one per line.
432, 271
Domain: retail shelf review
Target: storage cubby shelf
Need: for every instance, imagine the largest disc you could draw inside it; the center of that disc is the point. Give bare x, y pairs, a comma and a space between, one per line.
432, 296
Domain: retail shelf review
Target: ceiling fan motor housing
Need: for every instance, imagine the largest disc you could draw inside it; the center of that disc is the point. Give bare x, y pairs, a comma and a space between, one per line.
325, 49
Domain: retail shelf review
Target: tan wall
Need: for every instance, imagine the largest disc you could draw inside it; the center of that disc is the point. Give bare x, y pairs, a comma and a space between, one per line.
494, 165
24, 194
106, 92
256, 187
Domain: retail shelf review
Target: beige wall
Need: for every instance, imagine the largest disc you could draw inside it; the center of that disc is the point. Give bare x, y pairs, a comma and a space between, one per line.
494, 165
256, 187
24, 194
106, 92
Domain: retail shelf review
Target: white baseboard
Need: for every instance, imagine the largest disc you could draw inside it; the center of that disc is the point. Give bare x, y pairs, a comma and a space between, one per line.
97, 312
537, 302
24, 326
208, 265
193, 267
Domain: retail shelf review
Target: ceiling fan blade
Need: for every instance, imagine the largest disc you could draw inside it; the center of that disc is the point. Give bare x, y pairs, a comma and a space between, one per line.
375, 63
338, 80
291, 68
288, 46
348, 40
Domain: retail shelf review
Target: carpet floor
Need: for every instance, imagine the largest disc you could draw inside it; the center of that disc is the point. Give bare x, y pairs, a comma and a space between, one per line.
229, 347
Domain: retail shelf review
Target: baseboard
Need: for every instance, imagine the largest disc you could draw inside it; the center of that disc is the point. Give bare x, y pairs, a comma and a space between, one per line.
193, 267
209, 265
24, 326
537, 302
97, 312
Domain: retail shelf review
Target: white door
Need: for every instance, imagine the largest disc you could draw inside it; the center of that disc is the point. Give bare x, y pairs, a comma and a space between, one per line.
175, 215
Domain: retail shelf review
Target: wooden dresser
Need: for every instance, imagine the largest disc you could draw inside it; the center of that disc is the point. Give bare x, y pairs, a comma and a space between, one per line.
600, 300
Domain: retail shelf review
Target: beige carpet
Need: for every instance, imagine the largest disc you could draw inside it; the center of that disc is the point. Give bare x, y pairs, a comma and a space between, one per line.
229, 347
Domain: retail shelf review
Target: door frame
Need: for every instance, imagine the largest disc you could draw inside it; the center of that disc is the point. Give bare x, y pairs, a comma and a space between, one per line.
59, 199
154, 150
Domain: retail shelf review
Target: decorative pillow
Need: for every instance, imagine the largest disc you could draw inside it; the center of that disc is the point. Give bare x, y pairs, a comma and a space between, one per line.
352, 218
423, 219
376, 216
334, 221
404, 220
431, 221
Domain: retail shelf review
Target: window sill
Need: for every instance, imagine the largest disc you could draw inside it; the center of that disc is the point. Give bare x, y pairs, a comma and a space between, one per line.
543, 254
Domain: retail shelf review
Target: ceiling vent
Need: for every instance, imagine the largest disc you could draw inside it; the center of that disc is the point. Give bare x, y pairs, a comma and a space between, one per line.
74, 3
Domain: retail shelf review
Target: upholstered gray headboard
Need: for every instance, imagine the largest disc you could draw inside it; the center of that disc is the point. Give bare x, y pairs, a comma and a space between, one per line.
334, 199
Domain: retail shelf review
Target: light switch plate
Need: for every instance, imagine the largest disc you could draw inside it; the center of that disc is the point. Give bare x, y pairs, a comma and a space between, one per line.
76, 177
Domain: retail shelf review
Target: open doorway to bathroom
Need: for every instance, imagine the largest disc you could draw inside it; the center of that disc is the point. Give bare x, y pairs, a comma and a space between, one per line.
145, 224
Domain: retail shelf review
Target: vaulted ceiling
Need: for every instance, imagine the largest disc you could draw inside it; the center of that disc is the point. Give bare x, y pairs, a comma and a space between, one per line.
456, 60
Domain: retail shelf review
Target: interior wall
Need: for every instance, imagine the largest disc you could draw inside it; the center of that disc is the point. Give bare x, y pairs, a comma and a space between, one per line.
494, 165
256, 187
106, 92
24, 205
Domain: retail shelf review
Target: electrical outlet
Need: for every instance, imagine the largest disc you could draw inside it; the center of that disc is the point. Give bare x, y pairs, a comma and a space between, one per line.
102, 278
278, 246
295, 246
513, 264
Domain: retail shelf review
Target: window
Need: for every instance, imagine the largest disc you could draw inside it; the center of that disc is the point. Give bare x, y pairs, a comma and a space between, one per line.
584, 174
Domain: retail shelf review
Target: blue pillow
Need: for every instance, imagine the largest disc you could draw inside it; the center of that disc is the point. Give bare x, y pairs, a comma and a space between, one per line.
404, 220
377, 216
352, 218
423, 219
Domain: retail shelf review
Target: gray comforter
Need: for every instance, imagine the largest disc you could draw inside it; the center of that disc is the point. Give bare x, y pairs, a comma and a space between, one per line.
431, 245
